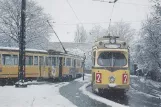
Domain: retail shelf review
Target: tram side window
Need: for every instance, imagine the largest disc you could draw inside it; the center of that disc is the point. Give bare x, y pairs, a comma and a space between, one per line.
74, 63
64, 61
57, 61
29, 60
53, 61
35, 60
0, 59
68, 61
15, 59
48, 61
7, 59
78, 63
41, 60
94, 55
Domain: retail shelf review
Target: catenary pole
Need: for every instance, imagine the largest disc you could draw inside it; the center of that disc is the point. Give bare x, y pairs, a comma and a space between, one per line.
22, 43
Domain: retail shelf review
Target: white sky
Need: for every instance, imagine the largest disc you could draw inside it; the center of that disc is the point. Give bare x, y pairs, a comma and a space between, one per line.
89, 12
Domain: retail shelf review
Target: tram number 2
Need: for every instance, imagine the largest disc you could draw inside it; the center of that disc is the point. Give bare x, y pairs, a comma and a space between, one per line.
124, 78
98, 77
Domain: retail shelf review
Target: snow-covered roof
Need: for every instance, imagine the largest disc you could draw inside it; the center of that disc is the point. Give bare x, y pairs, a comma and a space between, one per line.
16, 49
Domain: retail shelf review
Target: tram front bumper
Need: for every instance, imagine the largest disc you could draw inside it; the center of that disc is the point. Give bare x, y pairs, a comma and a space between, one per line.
110, 86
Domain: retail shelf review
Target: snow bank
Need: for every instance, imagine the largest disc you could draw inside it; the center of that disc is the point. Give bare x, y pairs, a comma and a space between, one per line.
134, 76
145, 94
98, 98
44, 95
142, 79
154, 83
88, 74
87, 78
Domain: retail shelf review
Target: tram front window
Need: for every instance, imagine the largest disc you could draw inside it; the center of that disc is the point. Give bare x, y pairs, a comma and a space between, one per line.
112, 59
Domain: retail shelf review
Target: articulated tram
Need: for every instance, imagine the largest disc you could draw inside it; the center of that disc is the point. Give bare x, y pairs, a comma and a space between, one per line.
110, 70
39, 64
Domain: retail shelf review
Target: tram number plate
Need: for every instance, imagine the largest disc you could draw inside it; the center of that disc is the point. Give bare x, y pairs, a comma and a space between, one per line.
98, 78
124, 78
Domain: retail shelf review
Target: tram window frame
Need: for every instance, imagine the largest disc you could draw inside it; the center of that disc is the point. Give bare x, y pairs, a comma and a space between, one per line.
13, 58
4, 60
64, 61
48, 61
68, 62
78, 64
54, 61
112, 59
57, 61
36, 62
94, 58
41, 58
0, 58
30, 62
73, 62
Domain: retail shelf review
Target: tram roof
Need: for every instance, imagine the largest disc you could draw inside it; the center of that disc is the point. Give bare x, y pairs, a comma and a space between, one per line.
101, 42
54, 52
17, 49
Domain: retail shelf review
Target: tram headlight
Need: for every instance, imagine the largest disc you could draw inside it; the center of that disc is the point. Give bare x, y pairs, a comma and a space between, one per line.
112, 79
112, 40
100, 43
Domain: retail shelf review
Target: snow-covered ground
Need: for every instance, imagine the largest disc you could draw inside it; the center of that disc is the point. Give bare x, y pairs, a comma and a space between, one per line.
98, 98
84, 90
44, 95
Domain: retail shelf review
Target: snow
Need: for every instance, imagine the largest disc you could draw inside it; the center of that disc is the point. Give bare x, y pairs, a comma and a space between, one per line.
88, 74
16, 49
154, 83
98, 98
142, 80
87, 78
145, 94
44, 95
135, 85
76, 51
134, 76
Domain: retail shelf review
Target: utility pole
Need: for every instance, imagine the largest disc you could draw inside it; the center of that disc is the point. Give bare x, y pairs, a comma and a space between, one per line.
22, 43
83, 64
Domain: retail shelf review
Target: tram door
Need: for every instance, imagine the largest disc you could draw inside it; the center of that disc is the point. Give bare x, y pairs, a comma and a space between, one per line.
41, 65
60, 66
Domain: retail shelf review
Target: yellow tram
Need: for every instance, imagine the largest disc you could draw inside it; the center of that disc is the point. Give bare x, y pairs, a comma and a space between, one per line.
110, 69
39, 64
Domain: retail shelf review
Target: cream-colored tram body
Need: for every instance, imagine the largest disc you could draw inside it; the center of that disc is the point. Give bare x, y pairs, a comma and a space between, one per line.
110, 69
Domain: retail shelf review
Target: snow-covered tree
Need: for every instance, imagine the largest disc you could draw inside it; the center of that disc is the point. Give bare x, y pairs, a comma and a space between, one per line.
147, 52
37, 29
80, 35
122, 30
96, 32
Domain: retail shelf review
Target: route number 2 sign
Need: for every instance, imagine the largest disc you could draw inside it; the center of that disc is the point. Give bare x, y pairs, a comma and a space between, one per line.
124, 78
98, 77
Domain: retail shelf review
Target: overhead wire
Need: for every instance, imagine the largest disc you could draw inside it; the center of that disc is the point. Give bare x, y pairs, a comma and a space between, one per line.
111, 17
57, 37
94, 23
126, 3
74, 12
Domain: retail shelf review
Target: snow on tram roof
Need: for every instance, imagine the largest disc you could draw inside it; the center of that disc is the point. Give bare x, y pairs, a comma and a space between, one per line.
16, 49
